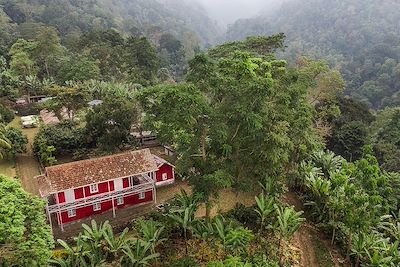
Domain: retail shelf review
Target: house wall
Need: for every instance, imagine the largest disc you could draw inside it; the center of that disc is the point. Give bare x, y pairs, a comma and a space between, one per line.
88, 211
78, 192
165, 168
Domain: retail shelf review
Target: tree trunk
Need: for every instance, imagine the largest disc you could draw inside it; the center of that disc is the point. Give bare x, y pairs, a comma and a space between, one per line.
349, 242
47, 69
333, 235
203, 144
358, 261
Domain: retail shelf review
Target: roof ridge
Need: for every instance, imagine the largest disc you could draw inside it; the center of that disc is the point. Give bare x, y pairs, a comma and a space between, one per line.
99, 158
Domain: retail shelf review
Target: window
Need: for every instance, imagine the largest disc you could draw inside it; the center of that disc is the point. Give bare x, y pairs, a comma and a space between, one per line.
142, 195
94, 188
96, 206
164, 176
71, 213
120, 200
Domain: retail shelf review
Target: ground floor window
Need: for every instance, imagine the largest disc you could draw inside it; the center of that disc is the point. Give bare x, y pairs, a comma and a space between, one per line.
141, 195
164, 176
71, 213
120, 200
96, 206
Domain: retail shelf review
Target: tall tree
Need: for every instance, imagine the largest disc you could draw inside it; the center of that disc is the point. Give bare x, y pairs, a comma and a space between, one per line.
47, 51
109, 124
25, 238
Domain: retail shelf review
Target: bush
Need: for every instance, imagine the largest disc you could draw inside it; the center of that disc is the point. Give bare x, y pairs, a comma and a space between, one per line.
65, 137
184, 262
6, 115
18, 141
245, 215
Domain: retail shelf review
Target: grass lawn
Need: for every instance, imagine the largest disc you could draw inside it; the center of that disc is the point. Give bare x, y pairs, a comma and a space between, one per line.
27, 166
226, 201
7, 168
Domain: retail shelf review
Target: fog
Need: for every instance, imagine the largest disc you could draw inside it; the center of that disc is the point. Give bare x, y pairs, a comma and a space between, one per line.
228, 11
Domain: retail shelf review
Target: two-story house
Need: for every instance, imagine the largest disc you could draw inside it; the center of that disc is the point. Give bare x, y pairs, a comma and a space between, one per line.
86, 188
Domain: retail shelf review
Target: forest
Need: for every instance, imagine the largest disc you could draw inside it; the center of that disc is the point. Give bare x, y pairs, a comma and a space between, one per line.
300, 116
360, 38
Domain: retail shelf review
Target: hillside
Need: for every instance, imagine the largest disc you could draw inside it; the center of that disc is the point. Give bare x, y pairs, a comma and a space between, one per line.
188, 22
361, 37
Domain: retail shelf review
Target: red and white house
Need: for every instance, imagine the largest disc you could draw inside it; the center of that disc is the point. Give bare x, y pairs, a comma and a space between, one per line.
86, 188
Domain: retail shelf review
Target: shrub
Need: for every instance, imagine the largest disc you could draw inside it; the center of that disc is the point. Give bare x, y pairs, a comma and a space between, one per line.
65, 137
6, 115
18, 141
184, 262
245, 215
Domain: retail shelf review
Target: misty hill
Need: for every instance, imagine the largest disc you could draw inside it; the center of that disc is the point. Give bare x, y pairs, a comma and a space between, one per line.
187, 21
361, 37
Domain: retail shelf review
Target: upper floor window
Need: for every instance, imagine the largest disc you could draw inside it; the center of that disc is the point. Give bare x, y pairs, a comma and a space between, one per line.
94, 188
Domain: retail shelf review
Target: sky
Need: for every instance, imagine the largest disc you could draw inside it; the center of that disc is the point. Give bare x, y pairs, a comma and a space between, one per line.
227, 11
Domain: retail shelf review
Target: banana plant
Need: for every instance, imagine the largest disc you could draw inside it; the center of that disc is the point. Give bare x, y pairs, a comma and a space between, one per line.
151, 232
238, 239
264, 209
139, 255
288, 222
115, 244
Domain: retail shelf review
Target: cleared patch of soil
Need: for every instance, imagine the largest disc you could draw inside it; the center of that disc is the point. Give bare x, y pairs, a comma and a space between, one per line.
304, 239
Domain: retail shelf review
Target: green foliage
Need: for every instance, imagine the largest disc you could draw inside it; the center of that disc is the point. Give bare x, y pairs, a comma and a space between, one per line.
230, 262
357, 36
25, 238
265, 207
151, 232
67, 101
288, 221
64, 137
386, 139
6, 115
18, 141
5, 144
109, 124
78, 68
352, 200
350, 129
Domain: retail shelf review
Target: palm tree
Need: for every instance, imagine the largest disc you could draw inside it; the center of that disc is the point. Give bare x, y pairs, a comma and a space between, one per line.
5, 144
139, 256
264, 209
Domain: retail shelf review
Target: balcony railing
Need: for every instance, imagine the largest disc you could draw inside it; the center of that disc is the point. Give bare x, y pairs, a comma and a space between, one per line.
143, 187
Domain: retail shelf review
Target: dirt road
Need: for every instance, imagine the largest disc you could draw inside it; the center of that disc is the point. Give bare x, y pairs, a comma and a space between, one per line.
315, 250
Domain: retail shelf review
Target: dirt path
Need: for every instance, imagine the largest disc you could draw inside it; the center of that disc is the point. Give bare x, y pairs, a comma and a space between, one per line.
311, 242
27, 165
